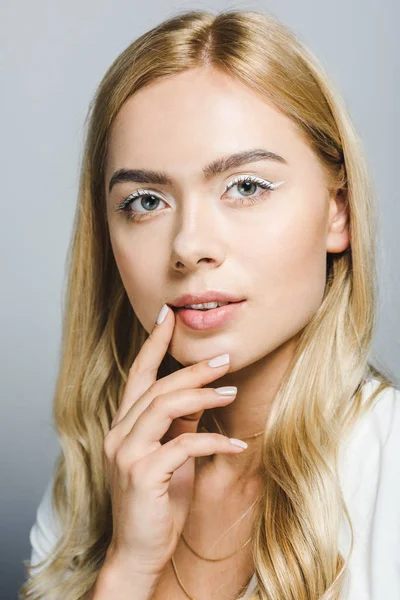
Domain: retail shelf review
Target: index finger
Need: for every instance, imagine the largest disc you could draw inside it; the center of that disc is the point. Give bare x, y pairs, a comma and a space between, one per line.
143, 371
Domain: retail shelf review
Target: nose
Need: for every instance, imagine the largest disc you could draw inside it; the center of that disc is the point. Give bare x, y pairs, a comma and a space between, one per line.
199, 238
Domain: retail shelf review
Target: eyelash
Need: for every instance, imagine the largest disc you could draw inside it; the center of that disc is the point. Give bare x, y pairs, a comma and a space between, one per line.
132, 216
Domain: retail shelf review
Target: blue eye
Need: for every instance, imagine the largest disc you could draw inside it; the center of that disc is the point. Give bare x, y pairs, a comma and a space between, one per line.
152, 200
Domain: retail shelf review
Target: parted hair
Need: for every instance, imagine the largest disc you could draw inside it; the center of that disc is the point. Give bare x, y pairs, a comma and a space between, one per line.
296, 524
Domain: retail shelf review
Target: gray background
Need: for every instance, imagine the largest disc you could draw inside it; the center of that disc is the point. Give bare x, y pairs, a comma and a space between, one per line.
53, 55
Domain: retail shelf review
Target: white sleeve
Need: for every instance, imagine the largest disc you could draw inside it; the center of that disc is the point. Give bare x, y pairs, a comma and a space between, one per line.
371, 486
385, 526
46, 530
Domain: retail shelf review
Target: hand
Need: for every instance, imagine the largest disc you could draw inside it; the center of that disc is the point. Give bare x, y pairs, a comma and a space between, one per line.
150, 451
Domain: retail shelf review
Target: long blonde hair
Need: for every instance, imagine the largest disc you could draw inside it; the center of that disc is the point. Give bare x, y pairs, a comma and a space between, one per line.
295, 531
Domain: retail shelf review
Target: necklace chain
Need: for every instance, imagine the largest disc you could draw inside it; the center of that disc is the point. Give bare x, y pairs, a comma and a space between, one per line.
253, 435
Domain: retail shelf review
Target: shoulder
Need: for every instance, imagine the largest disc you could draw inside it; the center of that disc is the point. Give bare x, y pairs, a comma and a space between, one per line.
379, 427
370, 476
46, 529
372, 449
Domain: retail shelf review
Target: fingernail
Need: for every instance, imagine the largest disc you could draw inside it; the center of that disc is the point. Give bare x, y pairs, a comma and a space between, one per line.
226, 390
219, 361
239, 443
162, 314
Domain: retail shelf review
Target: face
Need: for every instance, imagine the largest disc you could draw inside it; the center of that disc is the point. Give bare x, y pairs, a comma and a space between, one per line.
192, 235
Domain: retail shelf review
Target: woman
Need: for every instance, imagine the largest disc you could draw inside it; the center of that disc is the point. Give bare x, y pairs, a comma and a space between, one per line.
229, 129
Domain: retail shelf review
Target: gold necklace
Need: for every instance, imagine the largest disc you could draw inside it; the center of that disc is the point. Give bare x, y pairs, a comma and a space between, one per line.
253, 435
190, 548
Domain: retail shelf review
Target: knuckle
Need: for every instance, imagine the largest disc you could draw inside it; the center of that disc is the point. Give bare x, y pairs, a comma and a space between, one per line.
109, 444
137, 368
153, 388
154, 404
184, 440
193, 369
121, 460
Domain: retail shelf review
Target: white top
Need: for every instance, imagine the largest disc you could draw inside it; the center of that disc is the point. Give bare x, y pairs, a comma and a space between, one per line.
369, 469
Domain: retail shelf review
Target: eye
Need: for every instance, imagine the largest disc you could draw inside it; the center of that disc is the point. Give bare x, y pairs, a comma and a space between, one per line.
251, 181
150, 200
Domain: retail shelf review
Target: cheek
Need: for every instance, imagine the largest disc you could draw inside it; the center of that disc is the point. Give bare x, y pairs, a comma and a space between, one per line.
138, 270
290, 269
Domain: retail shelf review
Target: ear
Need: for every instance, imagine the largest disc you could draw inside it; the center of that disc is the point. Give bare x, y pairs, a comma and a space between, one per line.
338, 235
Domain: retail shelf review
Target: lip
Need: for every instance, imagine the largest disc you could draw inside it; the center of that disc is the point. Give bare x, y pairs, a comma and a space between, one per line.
207, 296
208, 319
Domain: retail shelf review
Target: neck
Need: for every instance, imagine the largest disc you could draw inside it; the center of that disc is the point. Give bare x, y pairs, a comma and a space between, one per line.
247, 416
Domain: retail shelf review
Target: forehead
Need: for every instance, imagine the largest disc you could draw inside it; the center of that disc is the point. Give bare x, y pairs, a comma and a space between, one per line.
183, 121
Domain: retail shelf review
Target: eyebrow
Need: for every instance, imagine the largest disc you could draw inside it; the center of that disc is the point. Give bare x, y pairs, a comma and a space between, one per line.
220, 165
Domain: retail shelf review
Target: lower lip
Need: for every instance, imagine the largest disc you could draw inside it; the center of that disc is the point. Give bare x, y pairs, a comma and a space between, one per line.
208, 319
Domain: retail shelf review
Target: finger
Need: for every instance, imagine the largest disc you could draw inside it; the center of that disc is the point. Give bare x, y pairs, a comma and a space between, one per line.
186, 424
193, 376
154, 470
143, 371
154, 422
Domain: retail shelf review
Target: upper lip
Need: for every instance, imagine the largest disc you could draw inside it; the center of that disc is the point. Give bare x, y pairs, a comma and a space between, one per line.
201, 297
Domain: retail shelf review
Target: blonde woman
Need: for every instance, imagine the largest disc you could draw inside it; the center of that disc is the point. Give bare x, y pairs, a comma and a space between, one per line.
221, 166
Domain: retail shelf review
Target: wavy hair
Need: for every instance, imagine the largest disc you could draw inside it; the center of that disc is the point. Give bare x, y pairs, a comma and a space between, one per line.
295, 529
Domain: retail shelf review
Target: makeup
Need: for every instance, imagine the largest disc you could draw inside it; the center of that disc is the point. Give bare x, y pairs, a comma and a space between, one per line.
152, 197
209, 319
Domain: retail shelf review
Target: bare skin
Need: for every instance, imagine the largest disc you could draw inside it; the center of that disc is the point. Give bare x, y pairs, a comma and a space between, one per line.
198, 237
212, 513
272, 253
